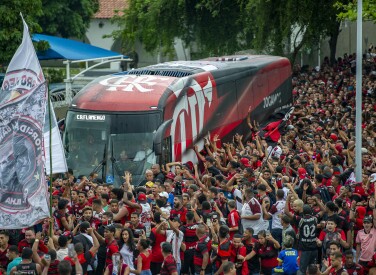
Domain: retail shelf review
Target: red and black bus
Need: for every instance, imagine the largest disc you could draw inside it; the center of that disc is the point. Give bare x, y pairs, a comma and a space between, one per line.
155, 114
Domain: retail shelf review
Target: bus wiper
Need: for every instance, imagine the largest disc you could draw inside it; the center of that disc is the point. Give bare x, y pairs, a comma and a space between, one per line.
114, 163
102, 164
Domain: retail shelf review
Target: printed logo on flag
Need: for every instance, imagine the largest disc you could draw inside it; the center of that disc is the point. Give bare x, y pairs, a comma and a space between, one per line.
18, 164
22, 196
23, 98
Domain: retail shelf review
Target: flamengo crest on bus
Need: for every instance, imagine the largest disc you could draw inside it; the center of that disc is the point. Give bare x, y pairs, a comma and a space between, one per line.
131, 83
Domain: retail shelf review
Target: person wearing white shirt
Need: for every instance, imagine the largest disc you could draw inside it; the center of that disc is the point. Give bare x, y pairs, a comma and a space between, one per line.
145, 153
251, 214
62, 252
275, 212
175, 237
127, 247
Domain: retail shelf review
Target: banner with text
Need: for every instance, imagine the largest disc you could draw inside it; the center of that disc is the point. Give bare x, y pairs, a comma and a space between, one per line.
23, 97
23, 188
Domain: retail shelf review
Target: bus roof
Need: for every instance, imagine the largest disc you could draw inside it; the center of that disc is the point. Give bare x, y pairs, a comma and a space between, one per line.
141, 89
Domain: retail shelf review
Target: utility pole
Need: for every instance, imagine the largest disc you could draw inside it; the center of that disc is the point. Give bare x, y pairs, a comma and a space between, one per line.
358, 106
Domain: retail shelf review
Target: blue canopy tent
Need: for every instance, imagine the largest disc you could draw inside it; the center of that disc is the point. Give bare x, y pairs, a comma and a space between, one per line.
74, 52
61, 48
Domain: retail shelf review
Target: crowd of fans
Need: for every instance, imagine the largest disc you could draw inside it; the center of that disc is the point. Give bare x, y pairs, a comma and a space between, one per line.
246, 208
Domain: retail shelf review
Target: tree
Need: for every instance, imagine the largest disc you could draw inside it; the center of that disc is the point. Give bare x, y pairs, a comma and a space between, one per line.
11, 27
225, 26
349, 10
67, 18
294, 23
215, 26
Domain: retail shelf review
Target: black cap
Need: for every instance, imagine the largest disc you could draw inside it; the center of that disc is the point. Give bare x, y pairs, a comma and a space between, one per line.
367, 219
176, 219
307, 210
110, 228
166, 247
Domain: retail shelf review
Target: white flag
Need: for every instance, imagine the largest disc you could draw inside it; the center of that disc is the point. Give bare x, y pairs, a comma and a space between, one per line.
23, 98
59, 164
23, 74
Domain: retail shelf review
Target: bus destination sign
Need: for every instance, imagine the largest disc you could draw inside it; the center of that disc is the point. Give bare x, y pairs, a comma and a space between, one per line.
91, 117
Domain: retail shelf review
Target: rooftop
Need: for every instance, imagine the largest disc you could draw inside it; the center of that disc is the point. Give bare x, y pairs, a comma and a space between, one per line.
107, 8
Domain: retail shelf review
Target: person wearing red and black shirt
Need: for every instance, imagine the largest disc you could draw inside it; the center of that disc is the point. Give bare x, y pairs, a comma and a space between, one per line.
351, 267
29, 240
331, 233
136, 226
249, 243
77, 209
233, 218
336, 267
179, 210
267, 249
4, 246
224, 249
87, 216
169, 266
112, 246
61, 216
201, 257
190, 241
238, 252
232, 166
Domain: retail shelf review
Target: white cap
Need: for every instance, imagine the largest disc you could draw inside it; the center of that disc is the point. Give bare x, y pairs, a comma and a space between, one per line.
364, 151
163, 194
372, 178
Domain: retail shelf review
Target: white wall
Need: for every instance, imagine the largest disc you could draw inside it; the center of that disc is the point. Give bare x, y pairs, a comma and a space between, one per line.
95, 33
95, 36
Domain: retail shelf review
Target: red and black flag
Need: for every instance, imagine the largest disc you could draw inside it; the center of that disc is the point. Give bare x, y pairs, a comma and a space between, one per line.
275, 126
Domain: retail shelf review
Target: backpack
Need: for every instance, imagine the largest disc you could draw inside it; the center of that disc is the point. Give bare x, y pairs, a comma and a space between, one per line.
324, 193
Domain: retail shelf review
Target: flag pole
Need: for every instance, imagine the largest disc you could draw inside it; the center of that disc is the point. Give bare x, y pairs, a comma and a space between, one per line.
50, 149
358, 97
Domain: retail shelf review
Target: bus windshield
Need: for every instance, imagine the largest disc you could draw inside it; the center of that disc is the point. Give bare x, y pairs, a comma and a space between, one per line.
110, 144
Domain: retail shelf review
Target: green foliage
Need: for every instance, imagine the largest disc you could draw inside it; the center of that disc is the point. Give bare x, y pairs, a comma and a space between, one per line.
68, 18
219, 27
215, 26
11, 27
350, 10
287, 26
54, 75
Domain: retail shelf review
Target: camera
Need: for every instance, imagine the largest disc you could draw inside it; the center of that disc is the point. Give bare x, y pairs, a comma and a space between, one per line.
46, 239
138, 231
178, 188
214, 217
71, 251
